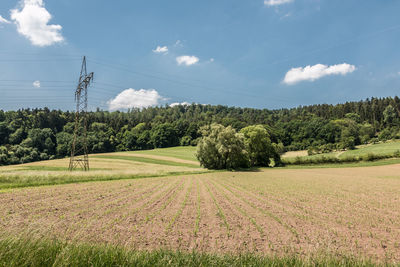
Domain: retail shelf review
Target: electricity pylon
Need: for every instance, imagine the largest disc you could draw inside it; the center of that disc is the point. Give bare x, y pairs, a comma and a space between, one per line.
79, 150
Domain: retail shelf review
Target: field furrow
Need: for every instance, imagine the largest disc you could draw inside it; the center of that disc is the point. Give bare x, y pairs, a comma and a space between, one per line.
271, 212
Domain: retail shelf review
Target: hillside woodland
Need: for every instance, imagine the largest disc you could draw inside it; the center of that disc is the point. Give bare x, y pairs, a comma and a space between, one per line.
39, 134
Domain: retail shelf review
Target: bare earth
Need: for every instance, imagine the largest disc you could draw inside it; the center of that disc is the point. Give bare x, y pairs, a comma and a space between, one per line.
348, 211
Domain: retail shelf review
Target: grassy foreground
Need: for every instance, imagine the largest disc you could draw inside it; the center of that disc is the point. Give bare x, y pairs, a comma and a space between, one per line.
46, 252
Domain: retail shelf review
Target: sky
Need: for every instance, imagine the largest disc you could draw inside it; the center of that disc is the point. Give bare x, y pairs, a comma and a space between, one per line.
256, 53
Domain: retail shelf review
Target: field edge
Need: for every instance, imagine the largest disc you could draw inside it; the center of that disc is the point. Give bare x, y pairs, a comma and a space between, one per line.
28, 251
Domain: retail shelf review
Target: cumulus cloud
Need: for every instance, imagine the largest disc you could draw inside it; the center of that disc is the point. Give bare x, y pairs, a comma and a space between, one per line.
187, 60
276, 2
131, 98
161, 49
32, 20
3, 20
36, 84
312, 73
179, 104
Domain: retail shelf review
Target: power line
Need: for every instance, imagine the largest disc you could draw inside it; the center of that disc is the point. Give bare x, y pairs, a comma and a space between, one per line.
45, 81
219, 90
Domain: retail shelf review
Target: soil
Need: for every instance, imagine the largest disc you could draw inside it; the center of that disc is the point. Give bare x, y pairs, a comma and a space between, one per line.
348, 211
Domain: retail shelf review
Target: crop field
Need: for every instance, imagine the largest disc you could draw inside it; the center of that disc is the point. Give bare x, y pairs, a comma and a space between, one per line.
341, 212
109, 166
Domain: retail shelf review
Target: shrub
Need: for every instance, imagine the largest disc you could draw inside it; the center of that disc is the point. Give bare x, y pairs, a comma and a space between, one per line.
44, 156
185, 141
386, 134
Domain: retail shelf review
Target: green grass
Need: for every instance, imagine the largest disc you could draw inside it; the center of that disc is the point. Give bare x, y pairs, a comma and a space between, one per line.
148, 160
383, 148
179, 152
25, 251
17, 181
367, 155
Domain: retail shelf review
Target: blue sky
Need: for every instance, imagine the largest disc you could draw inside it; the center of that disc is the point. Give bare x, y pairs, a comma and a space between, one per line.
255, 53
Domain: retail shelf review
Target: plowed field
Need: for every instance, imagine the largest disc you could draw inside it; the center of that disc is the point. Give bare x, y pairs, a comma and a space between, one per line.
349, 211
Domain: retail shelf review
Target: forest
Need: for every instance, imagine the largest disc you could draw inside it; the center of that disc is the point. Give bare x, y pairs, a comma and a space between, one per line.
28, 135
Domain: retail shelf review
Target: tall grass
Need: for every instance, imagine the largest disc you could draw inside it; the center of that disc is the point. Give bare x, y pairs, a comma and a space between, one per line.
332, 159
25, 251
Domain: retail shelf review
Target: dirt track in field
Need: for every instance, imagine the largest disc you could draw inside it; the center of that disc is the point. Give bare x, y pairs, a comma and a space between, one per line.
349, 211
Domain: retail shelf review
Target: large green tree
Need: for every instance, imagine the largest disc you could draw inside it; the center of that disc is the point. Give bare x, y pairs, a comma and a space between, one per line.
259, 147
222, 148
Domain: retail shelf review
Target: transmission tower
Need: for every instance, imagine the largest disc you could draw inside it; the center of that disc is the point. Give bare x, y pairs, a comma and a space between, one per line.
79, 150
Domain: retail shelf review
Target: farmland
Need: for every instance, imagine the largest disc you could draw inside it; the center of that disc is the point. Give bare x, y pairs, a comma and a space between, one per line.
108, 166
305, 213
362, 155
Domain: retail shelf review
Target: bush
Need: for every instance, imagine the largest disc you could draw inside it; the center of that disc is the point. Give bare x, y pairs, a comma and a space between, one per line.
386, 134
279, 148
311, 151
186, 141
44, 156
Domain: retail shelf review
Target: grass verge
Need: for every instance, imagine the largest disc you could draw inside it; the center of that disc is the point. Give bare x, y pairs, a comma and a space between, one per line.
25, 251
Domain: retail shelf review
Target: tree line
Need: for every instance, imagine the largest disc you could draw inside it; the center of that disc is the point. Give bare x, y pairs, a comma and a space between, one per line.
38, 134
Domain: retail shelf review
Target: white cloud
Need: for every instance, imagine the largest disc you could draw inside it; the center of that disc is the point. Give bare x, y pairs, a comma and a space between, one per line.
3, 20
32, 20
187, 60
312, 73
212, 59
36, 84
161, 49
180, 104
131, 98
276, 2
